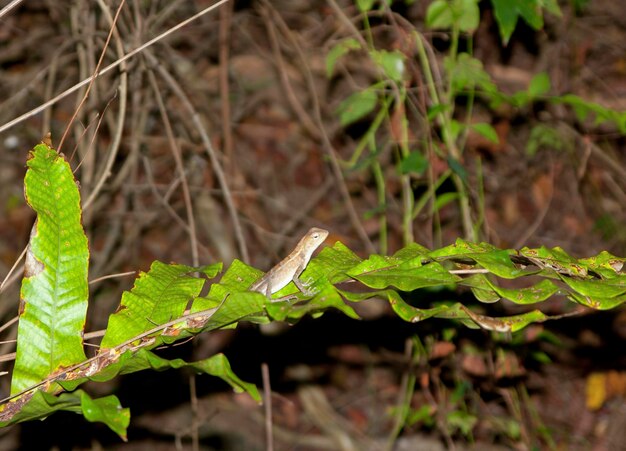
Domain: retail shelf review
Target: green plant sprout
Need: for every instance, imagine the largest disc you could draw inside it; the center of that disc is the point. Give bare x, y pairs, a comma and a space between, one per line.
394, 116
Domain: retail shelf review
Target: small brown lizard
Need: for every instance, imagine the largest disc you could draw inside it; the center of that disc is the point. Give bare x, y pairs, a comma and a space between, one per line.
292, 266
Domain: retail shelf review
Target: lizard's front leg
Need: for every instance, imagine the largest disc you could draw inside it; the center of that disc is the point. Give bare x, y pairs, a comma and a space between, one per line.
303, 286
268, 294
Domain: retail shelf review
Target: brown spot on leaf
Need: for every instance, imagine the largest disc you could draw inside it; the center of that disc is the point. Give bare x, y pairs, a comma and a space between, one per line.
32, 266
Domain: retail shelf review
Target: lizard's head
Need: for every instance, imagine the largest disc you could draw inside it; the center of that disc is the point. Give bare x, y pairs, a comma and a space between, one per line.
316, 236
312, 240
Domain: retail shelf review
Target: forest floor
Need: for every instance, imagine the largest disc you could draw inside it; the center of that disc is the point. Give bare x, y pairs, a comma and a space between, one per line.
558, 385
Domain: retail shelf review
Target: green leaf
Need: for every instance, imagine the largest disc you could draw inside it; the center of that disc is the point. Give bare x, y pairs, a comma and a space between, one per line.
531, 295
498, 261
464, 14
519, 100
400, 307
455, 129
406, 279
597, 302
586, 110
481, 287
328, 297
444, 199
552, 7
231, 295
54, 289
392, 63
605, 264
236, 307
507, 13
337, 51
107, 410
376, 262
211, 271
457, 168
462, 421
451, 311
415, 163
216, 365
238, 277
423, 414
543, 136
433, 111
357, 105
364, 5
597, 289
37, 405
555, 259
541, 357
337, 259
411, 252
41, 404
157, 297
467, 74
539, 85
506, 323
468, 15
439, 15
487, 131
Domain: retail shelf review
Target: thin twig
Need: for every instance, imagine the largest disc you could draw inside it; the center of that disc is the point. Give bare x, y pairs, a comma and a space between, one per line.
344, 19
9, 7
48, 87
163, 200
295, 104
179, 166
112, 276
195, 439
88, 152
311, 201
110, 67
267, 401
7, 278
208, 146
94, 75
530, 230
9, 323
117, 137
7, 357
226, 14
405, 395
595, 149
85, 49
326, 144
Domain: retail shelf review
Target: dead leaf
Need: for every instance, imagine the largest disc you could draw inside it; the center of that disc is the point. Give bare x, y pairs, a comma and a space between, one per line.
474, 365
442, 349
602, 386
